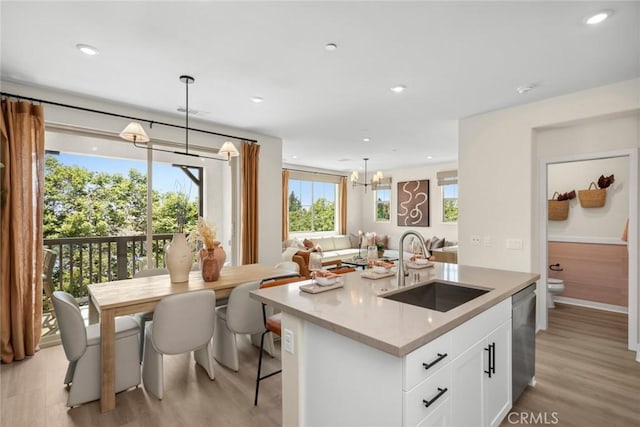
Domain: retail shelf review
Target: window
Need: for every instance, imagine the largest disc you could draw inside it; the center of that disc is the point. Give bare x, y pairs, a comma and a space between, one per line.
312, 203
450, 203
383, 205
448, 180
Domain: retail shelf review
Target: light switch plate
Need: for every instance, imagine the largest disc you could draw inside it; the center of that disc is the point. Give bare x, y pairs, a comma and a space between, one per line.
514, 244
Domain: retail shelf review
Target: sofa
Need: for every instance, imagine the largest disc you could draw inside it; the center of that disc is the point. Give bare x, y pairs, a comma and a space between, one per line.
338, 248
334, 249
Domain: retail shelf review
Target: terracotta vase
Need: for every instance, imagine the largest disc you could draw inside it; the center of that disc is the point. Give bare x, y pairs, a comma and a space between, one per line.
220, 255
209, 264
178, 257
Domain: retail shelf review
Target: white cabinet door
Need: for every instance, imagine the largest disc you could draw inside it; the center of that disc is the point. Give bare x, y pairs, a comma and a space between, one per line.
467, 386
497, 387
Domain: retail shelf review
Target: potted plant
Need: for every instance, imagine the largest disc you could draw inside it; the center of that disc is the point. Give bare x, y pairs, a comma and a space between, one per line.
380, 249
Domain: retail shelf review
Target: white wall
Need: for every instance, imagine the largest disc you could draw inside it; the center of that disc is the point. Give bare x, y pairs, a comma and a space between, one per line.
590, 225
436, 227
498, 169
270, 192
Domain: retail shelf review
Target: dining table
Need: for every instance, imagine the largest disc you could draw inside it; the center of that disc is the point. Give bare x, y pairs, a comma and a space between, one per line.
121, 297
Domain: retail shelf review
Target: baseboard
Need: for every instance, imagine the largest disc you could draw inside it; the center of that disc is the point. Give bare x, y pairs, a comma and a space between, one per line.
592, 304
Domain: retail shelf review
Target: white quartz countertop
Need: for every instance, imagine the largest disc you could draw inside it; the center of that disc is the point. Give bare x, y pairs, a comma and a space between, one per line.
357, 311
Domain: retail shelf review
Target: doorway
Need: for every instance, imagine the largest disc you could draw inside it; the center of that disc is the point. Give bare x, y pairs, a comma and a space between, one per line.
631, 157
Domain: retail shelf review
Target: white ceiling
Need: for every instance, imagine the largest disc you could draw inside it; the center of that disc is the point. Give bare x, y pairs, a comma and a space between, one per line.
456, 58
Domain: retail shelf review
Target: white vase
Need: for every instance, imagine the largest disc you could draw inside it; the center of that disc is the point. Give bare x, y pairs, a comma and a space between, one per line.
179, 258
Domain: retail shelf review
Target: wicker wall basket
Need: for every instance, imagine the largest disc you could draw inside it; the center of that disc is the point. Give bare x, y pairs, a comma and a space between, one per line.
558, 210
593, 197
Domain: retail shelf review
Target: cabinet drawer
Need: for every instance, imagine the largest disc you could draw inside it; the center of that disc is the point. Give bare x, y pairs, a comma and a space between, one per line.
435, 391
423, 362
474, 329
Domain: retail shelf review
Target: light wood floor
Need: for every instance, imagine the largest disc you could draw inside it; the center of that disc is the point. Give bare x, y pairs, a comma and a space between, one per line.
584, 374
33, 394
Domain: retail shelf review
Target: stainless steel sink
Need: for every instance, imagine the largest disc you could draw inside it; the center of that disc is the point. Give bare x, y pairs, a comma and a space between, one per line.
437, 296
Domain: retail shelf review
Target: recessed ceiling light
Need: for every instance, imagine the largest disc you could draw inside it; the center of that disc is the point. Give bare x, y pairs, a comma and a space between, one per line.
86, 49
398, 88
330, 47
598, 17
366, 139
429, 157
256, 99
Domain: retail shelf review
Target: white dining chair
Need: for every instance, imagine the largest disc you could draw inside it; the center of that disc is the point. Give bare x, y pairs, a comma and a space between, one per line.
181, 323
82, 347
147, 316
241, 316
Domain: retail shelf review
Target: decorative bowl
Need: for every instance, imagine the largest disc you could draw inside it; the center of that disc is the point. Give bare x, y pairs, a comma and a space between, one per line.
380, 269
421, 261
326, 281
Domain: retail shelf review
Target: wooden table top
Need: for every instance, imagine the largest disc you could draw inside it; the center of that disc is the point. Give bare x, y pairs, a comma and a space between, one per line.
148, 289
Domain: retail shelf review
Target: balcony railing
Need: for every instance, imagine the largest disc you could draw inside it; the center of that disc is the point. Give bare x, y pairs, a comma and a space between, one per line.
85, 260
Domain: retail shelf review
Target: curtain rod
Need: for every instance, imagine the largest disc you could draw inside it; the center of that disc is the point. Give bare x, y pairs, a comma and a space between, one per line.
122, 116
317, 173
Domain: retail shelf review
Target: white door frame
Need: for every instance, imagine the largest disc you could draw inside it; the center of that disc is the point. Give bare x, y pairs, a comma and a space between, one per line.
632, 244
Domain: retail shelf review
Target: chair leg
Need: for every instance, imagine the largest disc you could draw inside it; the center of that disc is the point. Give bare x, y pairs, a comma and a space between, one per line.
70, 371
225, 350
260, 378
152, 369
255, 401
204, 358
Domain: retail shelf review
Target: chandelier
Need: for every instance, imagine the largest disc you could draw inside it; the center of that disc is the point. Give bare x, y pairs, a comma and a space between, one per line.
375, 179
135, 133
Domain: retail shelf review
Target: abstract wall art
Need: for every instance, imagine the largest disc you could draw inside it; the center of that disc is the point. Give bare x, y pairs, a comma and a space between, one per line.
413, 203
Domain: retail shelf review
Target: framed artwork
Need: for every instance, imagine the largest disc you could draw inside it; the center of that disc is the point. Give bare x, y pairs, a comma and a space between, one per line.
413, 203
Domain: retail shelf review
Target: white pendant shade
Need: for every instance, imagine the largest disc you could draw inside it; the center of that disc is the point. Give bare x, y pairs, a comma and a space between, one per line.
229, 149
134, 132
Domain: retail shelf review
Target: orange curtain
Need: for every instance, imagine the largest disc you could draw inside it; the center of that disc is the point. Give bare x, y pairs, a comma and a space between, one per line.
285, 205
250, 154
22, 184
343, 205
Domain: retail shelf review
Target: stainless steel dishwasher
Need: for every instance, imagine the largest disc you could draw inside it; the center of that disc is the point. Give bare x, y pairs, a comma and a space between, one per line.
523, 339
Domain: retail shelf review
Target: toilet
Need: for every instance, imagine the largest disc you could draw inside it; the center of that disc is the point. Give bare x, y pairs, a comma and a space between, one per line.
554, 287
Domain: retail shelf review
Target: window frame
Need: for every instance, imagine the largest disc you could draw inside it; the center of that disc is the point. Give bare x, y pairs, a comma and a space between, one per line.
314, 177
375, 205
444, 199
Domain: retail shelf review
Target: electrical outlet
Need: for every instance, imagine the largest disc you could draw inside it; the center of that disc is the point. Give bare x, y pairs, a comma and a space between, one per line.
475, 240
288, 340
487, 241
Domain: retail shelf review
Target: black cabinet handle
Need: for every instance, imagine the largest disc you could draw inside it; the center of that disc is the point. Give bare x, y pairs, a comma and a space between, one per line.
440, 357
441, 391
488, 371
493, 357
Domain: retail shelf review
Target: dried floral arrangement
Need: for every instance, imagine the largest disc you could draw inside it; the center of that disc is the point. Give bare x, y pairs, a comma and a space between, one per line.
605, 181
205, 233
566, 196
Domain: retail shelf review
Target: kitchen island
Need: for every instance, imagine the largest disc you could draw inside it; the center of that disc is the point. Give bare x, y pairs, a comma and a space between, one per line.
360, 359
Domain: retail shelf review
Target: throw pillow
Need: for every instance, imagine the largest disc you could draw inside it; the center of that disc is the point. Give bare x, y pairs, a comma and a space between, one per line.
354, 240
308, 243
437, 243
369, 239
